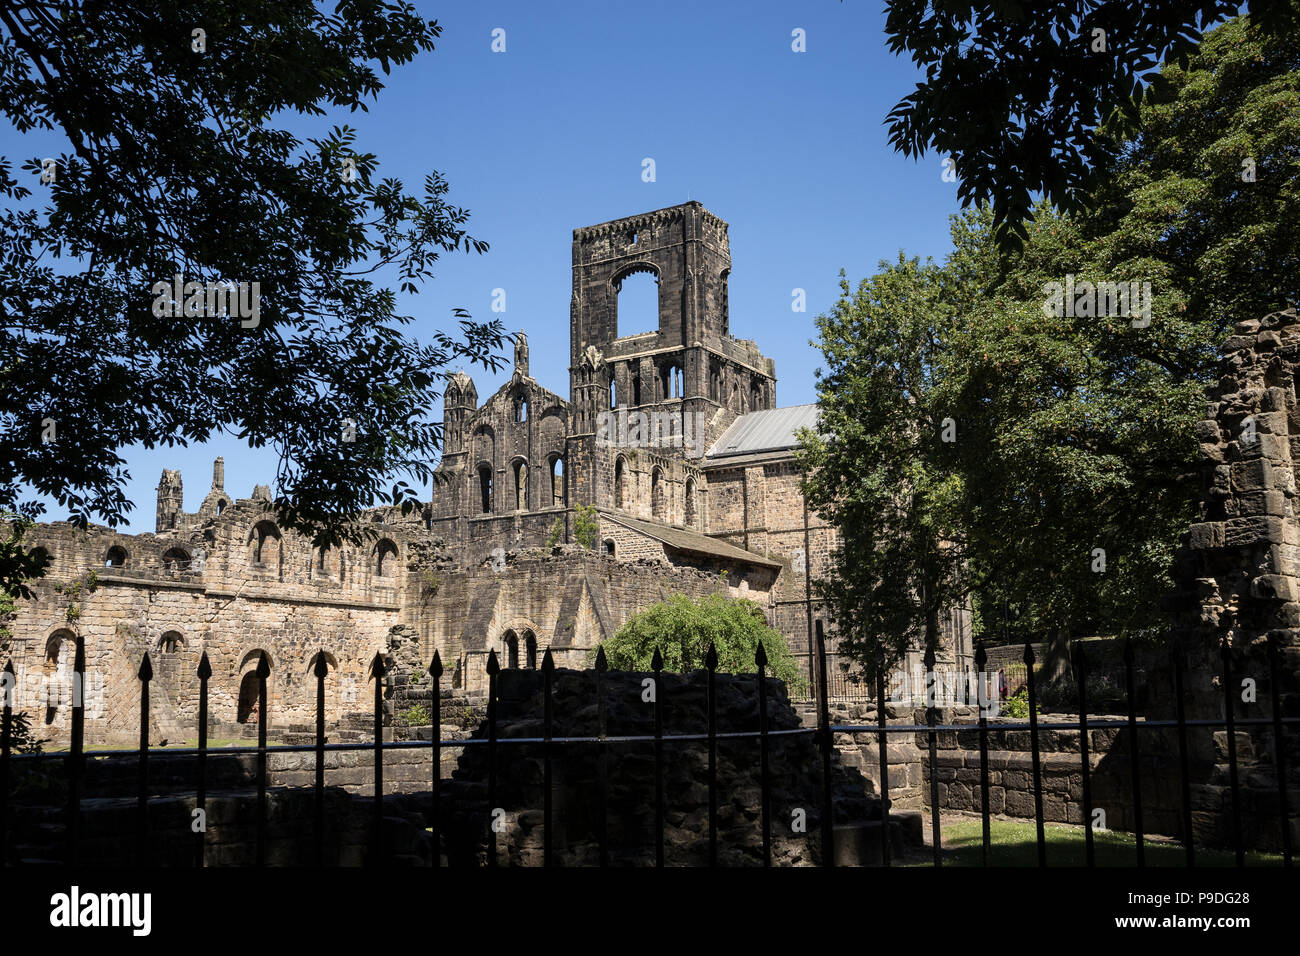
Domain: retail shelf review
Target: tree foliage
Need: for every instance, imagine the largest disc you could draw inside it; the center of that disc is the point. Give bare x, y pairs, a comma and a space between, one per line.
177, 162
878, 466
1073, 471
683, 628
1015, 89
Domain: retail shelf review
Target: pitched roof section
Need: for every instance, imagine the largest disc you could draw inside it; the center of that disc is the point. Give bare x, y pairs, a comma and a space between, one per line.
767, 431
693, 541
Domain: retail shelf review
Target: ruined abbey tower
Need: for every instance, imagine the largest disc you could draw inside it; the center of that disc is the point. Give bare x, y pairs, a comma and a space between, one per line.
672, 435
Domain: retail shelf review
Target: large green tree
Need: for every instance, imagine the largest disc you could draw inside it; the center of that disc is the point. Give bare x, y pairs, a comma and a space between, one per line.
176, 161
880, 465
1014, 90
1073, 474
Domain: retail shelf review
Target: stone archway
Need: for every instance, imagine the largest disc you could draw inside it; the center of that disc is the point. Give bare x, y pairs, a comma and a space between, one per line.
248, 699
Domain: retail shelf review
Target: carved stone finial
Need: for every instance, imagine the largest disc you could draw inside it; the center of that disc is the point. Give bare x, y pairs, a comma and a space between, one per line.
521, 353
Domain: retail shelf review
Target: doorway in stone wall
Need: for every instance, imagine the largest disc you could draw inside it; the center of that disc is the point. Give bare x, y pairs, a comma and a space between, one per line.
247, 712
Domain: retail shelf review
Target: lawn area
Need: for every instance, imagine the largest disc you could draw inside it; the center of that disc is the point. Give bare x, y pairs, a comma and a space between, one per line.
1012, 843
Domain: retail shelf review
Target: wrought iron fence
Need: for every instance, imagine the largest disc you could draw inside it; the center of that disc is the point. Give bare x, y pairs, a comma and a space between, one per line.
823, 734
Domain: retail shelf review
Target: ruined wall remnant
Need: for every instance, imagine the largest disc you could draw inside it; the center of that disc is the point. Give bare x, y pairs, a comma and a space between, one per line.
1237, 574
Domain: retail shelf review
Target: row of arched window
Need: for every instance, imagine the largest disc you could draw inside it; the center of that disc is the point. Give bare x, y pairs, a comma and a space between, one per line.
521, 649
519, 493
264, 551
658, 493
671, 385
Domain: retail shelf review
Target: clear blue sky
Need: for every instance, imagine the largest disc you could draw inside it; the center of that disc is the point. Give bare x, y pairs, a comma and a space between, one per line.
789, 148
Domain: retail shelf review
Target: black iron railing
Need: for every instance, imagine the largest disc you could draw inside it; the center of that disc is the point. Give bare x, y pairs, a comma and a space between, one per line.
75, 758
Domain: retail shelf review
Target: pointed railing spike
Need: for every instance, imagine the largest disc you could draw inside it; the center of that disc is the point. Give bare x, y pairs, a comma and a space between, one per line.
981, 657
1029, 654
435, 666
377, 665
602, 664
711, 658
321, 668
657, 662
263, 666
146, 668
493, 665
548, 662
760, 655
205, 667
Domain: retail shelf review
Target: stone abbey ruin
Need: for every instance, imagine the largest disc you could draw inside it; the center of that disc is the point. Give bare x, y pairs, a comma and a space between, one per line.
673, 437
672, 434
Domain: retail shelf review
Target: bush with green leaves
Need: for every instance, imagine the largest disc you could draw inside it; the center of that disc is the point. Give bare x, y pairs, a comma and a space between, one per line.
585, 526
417, 716
682, 629
1016, 706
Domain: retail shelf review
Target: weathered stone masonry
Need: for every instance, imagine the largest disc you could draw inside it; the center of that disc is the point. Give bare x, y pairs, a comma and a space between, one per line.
704, 499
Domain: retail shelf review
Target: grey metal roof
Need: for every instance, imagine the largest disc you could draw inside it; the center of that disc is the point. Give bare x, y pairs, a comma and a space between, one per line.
770, 430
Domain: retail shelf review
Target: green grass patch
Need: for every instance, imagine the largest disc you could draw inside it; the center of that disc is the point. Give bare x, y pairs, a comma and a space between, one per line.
1012, 843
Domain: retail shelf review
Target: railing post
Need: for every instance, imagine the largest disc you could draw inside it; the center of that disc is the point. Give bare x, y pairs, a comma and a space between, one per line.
882, 722
1089, 847
493, 670
1180, 707
1230, 729
377, 836
548, 730
76, 756
201, 795
765, 816
982, 700
824, 734
1279, 750
8, 681
1034, 753
711, 665
602, 820
657, 665
142, 782
319, 671
932, 718
1135, 753
263, 672
435, 673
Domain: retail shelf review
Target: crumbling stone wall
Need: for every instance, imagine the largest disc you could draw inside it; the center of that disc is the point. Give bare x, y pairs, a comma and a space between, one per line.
1237, 575
197, 588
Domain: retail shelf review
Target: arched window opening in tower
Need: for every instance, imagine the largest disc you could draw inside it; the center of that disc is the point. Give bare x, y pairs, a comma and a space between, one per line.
637, 302
521, 486
557, 481
620, 483
485, 488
